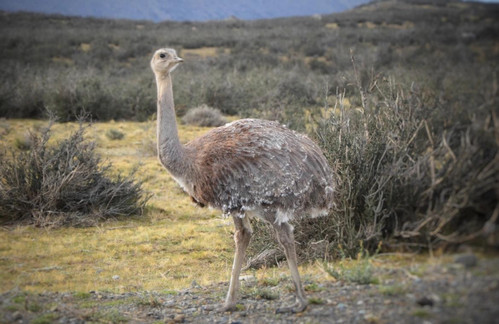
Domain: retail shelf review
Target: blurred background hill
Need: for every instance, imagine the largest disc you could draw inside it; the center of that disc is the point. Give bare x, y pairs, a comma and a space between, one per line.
194, 10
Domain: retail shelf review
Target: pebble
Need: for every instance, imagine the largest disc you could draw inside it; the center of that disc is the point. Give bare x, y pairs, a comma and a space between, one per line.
208, 308
154, 315
190, 310
116, 277
425, 301
248, 278
341, 306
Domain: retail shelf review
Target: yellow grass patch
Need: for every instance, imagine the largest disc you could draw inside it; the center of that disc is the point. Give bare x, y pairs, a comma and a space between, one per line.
458, 5
367, 24
168, 248
85, 47
63, 60
203, 52
332, 25
172, 245
308, 59
404, 25
371, 25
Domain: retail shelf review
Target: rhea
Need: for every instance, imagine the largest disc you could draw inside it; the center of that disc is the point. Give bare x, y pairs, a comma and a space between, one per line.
247, 168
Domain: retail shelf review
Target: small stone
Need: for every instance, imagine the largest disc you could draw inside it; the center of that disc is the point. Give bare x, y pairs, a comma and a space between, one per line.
190, 310
208, 308
360, 302
247, 278
116, 277
179, 318
425, 301
467, 260
341, 306
154, 315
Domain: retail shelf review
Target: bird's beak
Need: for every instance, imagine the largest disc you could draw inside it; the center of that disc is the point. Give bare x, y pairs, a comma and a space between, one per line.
178, 60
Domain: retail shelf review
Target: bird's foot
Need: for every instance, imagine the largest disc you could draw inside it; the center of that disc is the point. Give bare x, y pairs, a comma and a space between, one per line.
298, 307
227, 308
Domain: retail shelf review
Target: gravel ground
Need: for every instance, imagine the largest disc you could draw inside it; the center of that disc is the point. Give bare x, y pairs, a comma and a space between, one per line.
464, 290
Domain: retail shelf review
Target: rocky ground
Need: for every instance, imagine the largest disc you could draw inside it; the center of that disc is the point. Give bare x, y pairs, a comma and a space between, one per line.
464, 289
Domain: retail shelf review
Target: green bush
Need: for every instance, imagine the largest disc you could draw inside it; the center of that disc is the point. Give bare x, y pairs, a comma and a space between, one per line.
64, 184
204, 116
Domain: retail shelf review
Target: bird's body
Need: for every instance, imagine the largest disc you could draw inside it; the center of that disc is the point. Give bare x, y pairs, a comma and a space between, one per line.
258, 166
248, 167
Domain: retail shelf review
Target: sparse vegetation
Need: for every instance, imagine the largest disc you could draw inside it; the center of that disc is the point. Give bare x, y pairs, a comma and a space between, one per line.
316, 301
360, 272
66, 183
265, 293
392, 290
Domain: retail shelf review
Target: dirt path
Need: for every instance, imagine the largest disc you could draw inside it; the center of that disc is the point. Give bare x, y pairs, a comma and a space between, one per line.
462, 291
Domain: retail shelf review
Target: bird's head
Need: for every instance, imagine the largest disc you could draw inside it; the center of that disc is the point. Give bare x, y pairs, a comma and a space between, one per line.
164, 61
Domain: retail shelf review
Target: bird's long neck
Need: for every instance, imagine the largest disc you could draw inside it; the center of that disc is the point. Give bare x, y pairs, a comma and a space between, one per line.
170, 151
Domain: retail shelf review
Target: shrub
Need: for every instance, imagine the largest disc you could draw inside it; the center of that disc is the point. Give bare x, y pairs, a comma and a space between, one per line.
204, 116
114, 134
64, 184
23, 143
408, 173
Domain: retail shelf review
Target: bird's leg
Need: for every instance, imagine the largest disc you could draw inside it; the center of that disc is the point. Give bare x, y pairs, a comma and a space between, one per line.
242, 238
285, 236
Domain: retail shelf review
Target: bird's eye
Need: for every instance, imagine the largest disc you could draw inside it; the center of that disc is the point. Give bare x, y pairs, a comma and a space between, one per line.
162, 55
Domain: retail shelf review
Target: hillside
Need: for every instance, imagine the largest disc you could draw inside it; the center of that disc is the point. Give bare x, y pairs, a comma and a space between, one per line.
192, 10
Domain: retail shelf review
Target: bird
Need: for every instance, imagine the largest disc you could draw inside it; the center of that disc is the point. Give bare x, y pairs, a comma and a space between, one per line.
249, 168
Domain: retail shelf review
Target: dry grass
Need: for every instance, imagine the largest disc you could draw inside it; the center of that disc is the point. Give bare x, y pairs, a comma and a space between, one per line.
204, 52
150, 255
172, 245
166, 249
